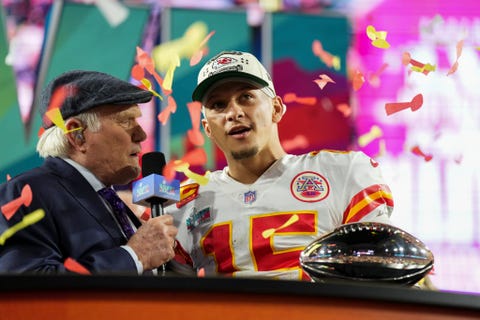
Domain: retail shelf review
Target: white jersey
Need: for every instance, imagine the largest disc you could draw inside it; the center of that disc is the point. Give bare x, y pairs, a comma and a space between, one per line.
259, 229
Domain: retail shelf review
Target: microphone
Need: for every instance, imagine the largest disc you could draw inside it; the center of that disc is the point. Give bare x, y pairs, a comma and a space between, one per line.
153, 189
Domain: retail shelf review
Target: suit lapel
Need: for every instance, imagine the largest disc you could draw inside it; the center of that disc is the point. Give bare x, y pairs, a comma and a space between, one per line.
85, 196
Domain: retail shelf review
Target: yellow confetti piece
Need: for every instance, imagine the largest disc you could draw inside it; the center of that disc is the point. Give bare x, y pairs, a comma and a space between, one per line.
56, 117
182, 166
148, 85
27, 220
374, 133
379, 38
167, 82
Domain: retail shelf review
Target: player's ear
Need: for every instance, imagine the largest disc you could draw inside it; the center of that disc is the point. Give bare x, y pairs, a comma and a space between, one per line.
206, 128
278, 109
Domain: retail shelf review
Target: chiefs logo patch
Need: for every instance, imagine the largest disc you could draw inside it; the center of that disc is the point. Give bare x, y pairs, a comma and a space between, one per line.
309, 186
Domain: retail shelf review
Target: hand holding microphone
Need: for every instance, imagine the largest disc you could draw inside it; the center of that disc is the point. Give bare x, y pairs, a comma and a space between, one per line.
154, 241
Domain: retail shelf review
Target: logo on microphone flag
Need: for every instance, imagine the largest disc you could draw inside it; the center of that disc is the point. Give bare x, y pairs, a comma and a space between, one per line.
154, 186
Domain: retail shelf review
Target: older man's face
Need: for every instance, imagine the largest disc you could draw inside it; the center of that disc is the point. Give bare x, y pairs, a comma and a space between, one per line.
112, 153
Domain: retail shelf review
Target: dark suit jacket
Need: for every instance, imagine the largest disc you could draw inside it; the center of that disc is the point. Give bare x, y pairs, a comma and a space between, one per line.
76, 224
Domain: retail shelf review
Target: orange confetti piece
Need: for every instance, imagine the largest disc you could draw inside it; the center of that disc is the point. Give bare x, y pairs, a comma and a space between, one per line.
454, 67
197, 56
25, 199
417, 151
292, 97
196, 157
322, 82
194, 135
169, 170
8, 177
374, 79
138, 72
345, 109
358, 80
169, 109
414, 105
299, 142
326, 57
72, 265
378, 37
201, 273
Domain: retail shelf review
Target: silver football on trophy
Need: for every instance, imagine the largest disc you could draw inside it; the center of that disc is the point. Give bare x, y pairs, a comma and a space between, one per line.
367, 251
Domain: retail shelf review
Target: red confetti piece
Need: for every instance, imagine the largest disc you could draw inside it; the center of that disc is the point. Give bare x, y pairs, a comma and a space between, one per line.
25, 198
138, 72
146, 214
72, 265
414, 105
416, 151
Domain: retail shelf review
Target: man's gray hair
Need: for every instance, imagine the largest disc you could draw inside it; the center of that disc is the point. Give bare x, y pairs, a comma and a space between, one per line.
54, 143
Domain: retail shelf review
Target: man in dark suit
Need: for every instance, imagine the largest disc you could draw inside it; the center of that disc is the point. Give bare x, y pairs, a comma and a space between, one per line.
98, 146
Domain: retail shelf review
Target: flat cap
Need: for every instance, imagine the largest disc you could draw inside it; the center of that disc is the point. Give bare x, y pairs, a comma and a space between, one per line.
84, 90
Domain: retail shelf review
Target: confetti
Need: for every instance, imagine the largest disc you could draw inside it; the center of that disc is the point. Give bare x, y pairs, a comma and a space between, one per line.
194, 134
73, 266
378, 37
454, 67
146, 214
345, 109
358, 80
114, 11
374, 133
196, 157
27, 220
197, 56
186, 46
169, 109
374, 79
414, 105
201, 273
167, 82
182, 166
416, 65
326, 57
269, 232
25, 199
322, 82
416, 151
299, 142
292, 97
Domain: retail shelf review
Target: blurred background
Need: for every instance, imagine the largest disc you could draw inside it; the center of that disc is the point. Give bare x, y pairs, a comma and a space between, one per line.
338, 65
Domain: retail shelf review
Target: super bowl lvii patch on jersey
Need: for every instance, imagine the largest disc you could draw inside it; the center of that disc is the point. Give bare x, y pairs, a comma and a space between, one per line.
196, 218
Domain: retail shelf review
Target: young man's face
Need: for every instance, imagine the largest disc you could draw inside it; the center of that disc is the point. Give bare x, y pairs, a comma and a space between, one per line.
240, 118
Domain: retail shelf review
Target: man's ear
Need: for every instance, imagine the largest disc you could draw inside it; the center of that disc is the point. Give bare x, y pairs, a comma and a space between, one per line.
278, 109
75, 132
206, 128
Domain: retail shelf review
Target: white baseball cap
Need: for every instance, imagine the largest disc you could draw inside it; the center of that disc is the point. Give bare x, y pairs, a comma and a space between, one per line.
236, 65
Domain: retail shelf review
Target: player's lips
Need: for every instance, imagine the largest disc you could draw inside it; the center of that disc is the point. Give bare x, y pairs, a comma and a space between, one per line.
239, 131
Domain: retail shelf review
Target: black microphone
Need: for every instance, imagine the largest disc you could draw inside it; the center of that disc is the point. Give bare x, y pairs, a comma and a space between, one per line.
153, 189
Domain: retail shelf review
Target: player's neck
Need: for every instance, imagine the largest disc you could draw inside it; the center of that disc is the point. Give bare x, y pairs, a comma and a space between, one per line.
248, 170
